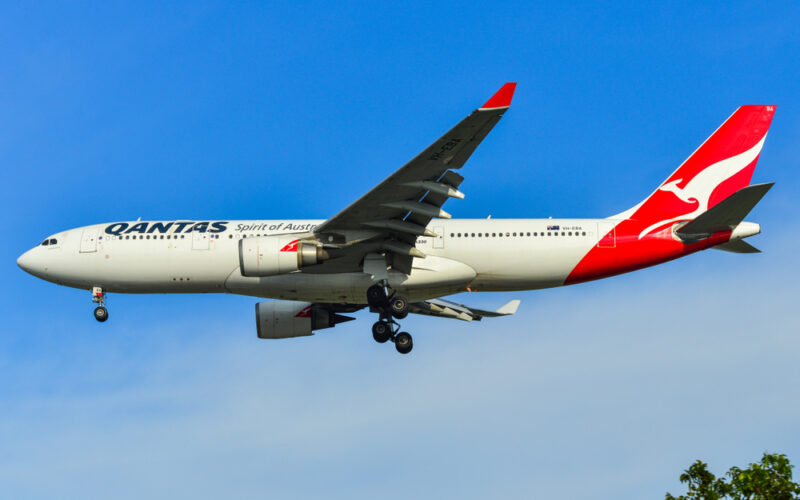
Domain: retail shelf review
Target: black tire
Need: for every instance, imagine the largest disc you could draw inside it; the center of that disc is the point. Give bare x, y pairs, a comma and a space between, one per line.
381, 331
101, 314
399, 306
376, 296
403, 343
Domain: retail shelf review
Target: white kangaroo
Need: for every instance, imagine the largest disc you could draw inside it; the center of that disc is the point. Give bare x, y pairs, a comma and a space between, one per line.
701, 186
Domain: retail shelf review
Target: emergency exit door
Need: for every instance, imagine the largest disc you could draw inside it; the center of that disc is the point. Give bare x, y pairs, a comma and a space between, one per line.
438, 241
89, 240
607, 233
199, 241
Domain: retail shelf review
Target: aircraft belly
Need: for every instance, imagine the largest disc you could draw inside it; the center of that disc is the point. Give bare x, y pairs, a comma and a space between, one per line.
452, 277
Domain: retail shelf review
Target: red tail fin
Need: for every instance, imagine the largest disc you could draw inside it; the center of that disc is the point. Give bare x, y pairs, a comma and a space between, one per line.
722, 165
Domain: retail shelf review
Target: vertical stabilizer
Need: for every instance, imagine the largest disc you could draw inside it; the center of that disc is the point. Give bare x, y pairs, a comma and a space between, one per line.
722, 165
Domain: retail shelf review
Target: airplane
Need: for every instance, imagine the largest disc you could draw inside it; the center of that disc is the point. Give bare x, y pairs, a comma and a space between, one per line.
396, 251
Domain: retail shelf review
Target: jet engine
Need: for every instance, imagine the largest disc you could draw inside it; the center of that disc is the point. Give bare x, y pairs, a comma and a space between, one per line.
273, 255
281, 319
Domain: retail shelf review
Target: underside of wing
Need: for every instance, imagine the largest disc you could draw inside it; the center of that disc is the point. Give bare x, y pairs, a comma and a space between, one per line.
390, 217
446, 309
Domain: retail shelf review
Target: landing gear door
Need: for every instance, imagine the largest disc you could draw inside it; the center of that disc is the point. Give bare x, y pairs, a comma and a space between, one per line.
199, 241
438, 241
89, 240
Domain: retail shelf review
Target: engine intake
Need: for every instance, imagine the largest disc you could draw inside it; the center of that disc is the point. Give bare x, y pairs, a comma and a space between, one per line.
273, 255
282, 319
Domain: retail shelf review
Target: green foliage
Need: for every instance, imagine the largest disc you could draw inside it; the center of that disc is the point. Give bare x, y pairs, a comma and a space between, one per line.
771, 479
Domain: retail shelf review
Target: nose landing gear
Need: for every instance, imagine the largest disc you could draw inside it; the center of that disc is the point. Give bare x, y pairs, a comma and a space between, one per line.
99, 298
389, 307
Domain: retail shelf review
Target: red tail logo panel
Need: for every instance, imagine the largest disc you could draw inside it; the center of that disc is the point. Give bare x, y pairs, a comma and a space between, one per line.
722, 165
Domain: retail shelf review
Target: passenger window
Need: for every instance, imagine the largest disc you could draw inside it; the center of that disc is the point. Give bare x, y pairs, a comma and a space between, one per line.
570, 233
584, 233
473, 235
494, 235
452, 235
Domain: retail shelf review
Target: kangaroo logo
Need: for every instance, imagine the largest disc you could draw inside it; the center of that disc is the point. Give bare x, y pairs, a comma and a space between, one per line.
699, 188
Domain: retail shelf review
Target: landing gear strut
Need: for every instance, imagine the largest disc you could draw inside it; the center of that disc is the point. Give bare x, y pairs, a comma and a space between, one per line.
99, 298
389, 306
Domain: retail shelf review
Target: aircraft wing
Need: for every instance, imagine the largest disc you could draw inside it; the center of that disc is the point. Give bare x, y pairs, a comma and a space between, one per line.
447, 309
398, 209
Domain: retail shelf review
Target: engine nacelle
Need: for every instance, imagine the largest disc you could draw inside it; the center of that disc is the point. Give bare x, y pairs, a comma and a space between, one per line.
273, 255
281, 319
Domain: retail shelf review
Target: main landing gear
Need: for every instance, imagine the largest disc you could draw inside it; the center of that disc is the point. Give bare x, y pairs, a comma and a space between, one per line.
99, 298
390, 307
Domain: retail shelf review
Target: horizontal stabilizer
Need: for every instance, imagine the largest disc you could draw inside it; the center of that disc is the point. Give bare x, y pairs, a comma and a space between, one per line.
738, 246
726, 214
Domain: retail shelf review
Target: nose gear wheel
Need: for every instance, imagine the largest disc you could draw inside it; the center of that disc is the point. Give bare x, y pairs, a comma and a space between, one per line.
99, 298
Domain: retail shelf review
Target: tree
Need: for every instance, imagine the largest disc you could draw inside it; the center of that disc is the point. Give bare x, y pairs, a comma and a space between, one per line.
771, 479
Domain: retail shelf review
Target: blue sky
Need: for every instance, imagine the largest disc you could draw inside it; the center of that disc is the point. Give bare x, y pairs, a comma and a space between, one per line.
602, 390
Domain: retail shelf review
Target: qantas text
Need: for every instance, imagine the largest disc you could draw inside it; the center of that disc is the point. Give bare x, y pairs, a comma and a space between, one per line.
165, 227
201, 227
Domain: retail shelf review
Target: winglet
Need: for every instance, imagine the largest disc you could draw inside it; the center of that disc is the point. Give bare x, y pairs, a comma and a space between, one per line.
501, 98
509, 308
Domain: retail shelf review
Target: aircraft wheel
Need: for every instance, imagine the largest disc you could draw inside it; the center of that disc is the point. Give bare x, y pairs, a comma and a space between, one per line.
101, 314
403, 343
399, 307
381, 331
376, 296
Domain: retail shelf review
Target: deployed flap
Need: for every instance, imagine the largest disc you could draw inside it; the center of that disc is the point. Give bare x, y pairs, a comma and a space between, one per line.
738, 246
447, 309
726, 214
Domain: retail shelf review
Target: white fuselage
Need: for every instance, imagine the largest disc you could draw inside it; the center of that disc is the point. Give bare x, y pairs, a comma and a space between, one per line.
467, 254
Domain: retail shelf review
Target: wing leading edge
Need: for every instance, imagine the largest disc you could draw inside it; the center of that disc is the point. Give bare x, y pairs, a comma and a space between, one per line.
397, 210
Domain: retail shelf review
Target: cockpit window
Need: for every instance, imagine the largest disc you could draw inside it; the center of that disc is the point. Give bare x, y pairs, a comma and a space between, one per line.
53, 241
45, 243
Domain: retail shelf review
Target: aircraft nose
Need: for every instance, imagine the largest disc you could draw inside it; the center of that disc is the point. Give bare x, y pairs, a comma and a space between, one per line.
29, 263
